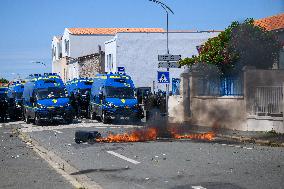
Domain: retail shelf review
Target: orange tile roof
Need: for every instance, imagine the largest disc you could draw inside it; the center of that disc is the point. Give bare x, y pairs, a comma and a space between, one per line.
271, 23
111, 31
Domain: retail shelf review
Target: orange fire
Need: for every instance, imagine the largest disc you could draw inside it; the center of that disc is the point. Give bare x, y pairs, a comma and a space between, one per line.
138, 135
198, 136
150, 134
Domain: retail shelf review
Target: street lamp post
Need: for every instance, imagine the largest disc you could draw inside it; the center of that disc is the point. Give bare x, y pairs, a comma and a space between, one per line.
39, 62
167, 9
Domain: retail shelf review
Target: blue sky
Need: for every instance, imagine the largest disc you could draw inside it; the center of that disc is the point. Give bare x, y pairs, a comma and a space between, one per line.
27, 26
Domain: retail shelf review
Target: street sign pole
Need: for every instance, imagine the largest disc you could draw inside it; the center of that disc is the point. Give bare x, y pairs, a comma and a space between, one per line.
167, 9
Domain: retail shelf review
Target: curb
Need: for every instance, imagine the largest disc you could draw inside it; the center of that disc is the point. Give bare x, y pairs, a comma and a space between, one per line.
60, 165
252, 140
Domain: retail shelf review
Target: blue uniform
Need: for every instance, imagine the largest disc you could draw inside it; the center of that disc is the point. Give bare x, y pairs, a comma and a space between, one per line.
15, 96
79, 91
112, 96
3, 103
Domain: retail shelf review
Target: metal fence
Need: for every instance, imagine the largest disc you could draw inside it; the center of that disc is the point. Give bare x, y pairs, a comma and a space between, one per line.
223, 86
269, 101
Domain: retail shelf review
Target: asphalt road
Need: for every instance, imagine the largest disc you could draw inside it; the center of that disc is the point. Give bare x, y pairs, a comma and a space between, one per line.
21, 167
178, 164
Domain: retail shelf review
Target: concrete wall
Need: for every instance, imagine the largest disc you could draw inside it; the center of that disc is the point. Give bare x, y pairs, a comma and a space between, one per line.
73, 71
219, 112
265, 123
138, 53
176, 109
60, 67
87, 66
230, 112
56, 48
256, 77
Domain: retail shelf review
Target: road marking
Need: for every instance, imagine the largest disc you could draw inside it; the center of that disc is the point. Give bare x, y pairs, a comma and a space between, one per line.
248, 148
197, 187
123, 157
223, 144
57, 131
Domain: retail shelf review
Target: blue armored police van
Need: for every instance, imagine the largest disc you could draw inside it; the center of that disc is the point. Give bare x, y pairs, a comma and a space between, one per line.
79, 85
45, 98
15, 96
79, 90
112, 97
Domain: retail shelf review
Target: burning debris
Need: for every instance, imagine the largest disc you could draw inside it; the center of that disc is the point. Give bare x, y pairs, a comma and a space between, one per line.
137, 135
197, 136
140, 135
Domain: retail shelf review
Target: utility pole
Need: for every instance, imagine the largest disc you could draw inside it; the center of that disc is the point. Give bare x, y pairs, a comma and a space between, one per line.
167, 9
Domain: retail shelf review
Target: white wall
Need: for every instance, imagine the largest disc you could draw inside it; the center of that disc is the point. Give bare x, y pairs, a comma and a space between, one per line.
73, 71
138, 53
82, 45
110, 49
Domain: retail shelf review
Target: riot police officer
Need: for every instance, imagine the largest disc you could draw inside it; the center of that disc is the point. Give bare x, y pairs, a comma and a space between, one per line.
3, 109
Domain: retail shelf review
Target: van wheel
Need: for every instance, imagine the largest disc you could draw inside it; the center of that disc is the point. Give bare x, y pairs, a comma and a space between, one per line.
104, 118
37, 120
69, 121
27, 119
92, 115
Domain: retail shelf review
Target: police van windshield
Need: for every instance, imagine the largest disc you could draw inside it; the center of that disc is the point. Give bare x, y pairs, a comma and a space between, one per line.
119, 92
51, 93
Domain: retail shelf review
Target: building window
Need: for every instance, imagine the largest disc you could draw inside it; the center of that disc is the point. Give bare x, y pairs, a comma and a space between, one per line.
110, 62
55, 53
66, 46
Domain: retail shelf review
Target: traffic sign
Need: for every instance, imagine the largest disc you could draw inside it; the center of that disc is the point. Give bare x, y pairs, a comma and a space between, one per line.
121, 69
169, 65
163, 77
169, 57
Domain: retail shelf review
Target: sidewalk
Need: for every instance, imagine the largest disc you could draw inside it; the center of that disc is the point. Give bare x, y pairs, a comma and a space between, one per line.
21, 167
257, 137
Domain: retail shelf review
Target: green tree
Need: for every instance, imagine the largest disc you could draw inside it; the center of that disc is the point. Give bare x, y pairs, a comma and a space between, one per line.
241, 44
3, 80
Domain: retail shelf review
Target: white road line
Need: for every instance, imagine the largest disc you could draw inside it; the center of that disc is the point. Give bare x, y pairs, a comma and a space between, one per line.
197, 187
57, 131
123, 157
237, 146
223, 144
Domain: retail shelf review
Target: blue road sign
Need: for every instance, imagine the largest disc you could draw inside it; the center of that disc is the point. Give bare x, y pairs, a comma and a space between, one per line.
163, 77
176, 86
121, 69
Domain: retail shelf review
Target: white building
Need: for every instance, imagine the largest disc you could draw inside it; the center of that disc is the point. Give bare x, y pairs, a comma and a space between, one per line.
81, 42
138, 53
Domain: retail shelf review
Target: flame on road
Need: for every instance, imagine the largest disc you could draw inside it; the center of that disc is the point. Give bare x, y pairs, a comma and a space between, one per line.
151, 134
198, 136
138, 135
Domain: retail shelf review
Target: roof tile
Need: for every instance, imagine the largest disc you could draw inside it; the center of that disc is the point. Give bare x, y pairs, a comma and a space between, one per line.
271, 23
111, 31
